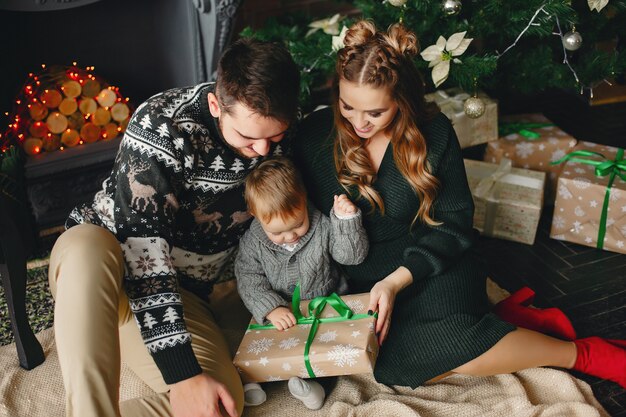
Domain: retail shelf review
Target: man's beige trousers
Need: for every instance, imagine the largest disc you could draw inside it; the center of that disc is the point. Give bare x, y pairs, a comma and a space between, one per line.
95, 330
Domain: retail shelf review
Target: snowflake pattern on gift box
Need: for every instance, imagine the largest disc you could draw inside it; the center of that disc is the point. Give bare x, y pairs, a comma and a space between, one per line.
581, 183
579, 212
356, 306
615, 194
343, 355
316, 370
271, 378
290, 343
577, 227
260, 345
564, 192
556, 155
524, 149
286, 366
328, 336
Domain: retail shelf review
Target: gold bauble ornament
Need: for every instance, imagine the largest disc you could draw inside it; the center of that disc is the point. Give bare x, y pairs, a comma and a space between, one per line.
474, 107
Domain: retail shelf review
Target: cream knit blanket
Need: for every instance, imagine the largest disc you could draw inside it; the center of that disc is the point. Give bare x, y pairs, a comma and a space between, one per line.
538, 392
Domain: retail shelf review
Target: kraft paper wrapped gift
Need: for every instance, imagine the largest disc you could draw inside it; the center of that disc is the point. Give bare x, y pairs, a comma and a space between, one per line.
469, 131
507, 200
339, 346
590, 207
532, 141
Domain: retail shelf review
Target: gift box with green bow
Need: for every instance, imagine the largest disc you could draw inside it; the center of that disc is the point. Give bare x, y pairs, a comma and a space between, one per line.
531, 141
590, 207
334, 336
507, 200
469, 131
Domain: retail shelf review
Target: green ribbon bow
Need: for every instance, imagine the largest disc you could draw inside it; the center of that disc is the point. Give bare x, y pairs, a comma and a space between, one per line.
604, 167
522, 129
315, 308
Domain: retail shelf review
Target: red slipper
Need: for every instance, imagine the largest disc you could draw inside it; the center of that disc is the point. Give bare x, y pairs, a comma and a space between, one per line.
549, 321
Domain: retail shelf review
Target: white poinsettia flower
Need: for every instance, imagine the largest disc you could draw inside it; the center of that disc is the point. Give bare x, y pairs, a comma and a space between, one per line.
442, 52
338, 40
329, 25
397, 3
597, 4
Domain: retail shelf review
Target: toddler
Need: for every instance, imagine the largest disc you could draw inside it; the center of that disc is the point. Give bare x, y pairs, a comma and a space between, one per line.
289, 243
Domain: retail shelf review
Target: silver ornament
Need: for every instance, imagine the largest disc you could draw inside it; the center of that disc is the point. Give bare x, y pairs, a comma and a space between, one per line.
451, 7
474, 107
572, 40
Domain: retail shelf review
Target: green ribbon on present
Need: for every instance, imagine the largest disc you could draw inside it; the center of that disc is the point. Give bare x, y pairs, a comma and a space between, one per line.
522, 129
315, 308
604, 167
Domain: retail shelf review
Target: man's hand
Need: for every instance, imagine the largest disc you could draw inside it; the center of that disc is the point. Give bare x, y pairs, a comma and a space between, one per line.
282, 318
343, 206
200, 396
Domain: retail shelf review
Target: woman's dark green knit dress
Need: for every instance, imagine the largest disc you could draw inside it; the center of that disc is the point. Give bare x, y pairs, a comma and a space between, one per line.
442, 319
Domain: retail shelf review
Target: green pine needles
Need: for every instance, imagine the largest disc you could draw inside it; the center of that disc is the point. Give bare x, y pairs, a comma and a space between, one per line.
516, 44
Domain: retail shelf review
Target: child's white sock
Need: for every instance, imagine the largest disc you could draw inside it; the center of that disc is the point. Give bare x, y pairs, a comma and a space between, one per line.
253, 394
310, 393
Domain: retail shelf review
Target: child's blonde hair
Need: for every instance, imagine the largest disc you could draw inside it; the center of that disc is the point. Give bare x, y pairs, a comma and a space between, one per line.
275, 188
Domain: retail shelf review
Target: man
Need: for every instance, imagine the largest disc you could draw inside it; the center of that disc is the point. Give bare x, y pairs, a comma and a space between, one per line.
127, 273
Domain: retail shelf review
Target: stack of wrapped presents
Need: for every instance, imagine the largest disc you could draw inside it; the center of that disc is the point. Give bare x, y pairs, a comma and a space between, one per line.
584, 181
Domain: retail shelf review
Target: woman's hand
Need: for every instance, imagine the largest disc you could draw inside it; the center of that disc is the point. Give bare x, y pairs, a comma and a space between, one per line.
383, 296
201, 396
282, 318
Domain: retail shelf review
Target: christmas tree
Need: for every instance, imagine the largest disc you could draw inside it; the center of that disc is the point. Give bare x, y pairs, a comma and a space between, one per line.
513, 46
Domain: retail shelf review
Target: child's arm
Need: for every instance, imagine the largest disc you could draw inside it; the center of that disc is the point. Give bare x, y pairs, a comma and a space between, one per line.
254, 288
348, 240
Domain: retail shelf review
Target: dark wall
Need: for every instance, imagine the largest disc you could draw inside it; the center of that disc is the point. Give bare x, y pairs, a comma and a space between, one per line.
141, 46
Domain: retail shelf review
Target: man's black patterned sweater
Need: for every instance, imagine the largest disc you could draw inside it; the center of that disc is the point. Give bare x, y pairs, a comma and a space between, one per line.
174, 201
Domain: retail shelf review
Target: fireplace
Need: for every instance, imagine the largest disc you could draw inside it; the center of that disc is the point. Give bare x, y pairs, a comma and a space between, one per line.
141, 46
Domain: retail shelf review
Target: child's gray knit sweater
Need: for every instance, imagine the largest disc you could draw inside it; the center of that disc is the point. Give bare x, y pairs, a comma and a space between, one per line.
267, 273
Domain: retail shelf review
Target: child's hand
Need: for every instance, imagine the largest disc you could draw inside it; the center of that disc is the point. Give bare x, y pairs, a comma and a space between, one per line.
282, 318
343, 206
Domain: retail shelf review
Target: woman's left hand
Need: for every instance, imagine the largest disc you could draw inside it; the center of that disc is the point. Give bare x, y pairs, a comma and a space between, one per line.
383, 296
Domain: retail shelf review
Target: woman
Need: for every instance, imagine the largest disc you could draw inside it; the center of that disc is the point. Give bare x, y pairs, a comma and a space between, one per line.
400, 160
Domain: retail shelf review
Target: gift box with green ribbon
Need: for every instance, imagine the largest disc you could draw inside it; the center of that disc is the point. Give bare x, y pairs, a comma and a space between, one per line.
507, 200
469, 131
531, 141
334, 336
590, 207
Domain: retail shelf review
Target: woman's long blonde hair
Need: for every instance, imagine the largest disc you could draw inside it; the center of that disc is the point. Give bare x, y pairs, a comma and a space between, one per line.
384, 60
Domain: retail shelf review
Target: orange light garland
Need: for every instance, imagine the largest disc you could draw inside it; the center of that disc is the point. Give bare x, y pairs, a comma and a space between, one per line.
49, 104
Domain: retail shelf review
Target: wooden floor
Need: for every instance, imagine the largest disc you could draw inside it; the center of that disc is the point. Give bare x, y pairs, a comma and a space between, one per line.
588, 284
